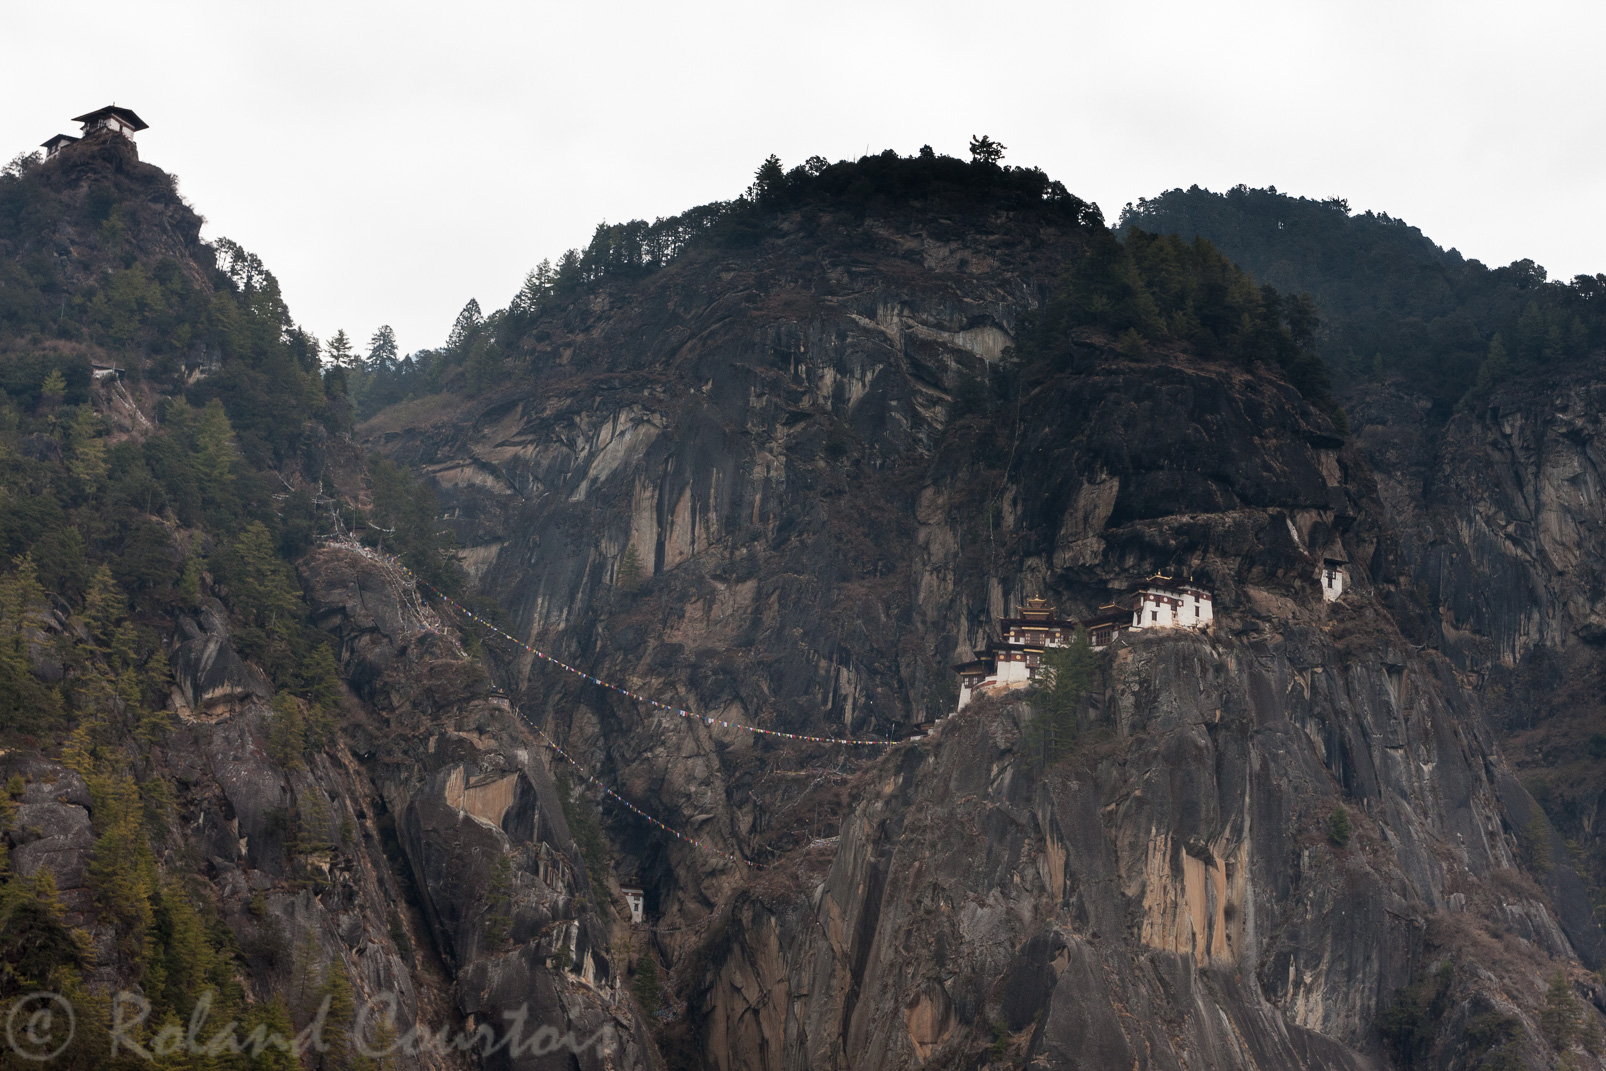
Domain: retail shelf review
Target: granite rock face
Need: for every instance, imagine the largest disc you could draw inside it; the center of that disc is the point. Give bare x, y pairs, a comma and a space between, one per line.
788, 486
425, 854
213, 678
479, 828
1499, 514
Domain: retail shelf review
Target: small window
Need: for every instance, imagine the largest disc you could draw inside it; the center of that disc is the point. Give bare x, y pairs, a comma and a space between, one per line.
1154, 615
1195, 611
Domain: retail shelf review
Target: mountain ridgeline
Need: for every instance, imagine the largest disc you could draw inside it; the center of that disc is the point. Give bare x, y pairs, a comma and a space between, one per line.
782, 462
1148, 290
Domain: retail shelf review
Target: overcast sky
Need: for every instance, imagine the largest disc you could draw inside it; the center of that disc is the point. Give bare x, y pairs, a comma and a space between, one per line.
390, 161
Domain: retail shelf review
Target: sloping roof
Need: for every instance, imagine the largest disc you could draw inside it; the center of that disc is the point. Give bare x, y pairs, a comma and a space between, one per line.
59, 139
125, 114
1114, 617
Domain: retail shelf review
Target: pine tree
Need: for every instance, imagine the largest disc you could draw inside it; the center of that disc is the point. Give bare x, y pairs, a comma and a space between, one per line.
287, 733
340, 352
537, 288
218, 457
105, 608
52, 390
499, 903
187, 959
1558, 1019
466, 328
1066, 674
645, 984
984, 150
1495, 367
318, 681
382, 352
265, 1023
27, 704
86, 458
768, 181
261, 587
586, 829
337, 990
122, 870
1338, 827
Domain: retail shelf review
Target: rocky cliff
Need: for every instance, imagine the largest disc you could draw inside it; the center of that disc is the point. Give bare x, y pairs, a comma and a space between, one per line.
784, 479
786, 485
1499, 516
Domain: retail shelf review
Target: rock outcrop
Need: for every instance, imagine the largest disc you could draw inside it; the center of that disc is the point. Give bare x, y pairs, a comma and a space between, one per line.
479, 829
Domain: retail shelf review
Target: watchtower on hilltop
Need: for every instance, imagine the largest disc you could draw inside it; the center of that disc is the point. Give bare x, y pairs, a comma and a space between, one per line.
112, 119
117, 120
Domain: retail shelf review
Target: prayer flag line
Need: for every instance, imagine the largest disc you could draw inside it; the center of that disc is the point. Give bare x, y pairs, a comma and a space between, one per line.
582, 674
553, 744
611, 794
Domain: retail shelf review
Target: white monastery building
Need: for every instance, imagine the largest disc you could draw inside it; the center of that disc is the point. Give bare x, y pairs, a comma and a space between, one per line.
56, 144
1015, 662
1165, 607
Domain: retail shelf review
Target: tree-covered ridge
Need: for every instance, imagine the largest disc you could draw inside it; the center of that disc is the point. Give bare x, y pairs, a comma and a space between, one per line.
1156, 289
887, 184
101, 261
182, 478
1149, 288
1392, 302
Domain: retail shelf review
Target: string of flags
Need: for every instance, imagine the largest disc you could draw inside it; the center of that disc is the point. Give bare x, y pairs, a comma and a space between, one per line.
611, 794
582, 674
369, 552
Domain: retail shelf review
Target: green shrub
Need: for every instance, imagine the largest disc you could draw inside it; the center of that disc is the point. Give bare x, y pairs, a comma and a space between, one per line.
1067, 674
1559, 1018
1338, 827
645, 985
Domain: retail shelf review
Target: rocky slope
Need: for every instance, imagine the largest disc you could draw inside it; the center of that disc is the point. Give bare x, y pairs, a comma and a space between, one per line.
426, 855
193, 810
787, 485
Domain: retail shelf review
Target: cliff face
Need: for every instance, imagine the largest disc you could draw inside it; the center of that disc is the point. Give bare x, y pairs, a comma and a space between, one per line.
786, 482
425, 855
787, 486
479, 832
1499, 519
1499, 514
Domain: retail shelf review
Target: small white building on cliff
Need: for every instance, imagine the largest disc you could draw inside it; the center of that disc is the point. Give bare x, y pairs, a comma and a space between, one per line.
56, 144
1332, 575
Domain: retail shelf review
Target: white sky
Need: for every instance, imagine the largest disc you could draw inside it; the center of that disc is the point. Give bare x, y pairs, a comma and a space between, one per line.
388, 161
